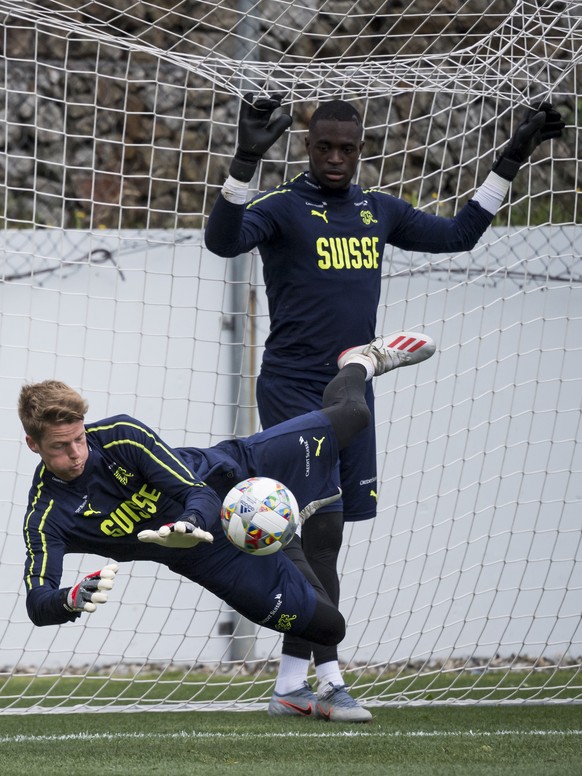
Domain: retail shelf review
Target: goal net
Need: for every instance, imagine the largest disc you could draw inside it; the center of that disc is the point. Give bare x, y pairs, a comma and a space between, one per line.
117, 125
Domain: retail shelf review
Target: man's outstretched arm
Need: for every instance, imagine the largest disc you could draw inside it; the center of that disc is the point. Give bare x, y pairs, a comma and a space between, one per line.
48, 605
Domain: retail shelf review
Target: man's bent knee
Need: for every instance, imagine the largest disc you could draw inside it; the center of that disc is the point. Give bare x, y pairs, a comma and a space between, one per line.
327, 626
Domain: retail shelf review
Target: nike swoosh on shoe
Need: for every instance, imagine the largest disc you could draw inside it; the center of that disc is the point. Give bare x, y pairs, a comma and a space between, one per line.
306, 711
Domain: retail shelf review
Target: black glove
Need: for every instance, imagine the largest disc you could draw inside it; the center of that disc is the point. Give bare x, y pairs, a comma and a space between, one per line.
540, 122
257, 131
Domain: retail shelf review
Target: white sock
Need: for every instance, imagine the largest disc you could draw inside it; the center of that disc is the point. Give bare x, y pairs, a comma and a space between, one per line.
328, 673
292, 674
365, 361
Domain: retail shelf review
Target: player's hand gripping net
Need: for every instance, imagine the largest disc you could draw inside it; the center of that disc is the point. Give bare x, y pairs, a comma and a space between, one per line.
539, 123
257, 131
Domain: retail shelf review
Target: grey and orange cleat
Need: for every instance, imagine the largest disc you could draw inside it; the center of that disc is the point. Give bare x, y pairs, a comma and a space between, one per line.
299, 703
335, 704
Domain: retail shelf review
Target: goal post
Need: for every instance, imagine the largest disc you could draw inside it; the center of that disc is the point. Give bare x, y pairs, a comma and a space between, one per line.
118, 122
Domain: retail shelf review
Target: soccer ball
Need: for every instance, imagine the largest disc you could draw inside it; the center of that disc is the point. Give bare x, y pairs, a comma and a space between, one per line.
260, 515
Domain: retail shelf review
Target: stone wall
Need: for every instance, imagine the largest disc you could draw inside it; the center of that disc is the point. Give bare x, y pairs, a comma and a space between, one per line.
93, 134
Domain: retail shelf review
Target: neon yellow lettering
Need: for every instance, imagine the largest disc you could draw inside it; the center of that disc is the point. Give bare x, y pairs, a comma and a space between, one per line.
355, 253
123, 519
321, 248
107, 527
336, 253
348, 253
345, 253
146, 499
370, 251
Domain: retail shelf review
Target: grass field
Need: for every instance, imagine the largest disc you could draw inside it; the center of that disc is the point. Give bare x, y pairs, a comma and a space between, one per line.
444, 740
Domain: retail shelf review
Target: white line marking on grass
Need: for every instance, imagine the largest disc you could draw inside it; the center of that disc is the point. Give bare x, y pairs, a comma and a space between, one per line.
192, 734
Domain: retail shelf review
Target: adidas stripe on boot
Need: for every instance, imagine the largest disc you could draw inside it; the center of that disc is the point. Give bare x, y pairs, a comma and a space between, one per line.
404, 348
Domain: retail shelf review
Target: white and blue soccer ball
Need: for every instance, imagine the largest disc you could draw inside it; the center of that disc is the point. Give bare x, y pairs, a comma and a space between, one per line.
260, 515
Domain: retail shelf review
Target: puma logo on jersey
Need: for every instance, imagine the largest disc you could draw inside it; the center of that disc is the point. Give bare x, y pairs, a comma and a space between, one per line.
320, 215
85, 508
319, 443
374, 495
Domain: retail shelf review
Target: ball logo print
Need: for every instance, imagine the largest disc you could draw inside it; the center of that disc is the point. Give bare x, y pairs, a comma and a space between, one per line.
245, 507
260, 515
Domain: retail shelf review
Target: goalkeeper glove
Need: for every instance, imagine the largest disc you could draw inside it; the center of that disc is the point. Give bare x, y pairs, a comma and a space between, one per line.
91, 590
539, 123
180, 535
257, 131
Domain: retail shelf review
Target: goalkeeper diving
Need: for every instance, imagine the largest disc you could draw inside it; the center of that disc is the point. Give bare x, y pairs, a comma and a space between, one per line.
114, 488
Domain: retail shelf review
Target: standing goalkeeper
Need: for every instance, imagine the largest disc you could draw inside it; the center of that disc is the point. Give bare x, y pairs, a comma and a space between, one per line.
321, 239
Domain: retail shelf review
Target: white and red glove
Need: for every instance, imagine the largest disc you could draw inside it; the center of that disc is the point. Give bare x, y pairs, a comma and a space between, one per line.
179, 535
92, 590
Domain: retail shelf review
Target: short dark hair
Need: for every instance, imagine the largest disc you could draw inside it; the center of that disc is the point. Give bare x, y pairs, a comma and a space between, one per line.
336, 110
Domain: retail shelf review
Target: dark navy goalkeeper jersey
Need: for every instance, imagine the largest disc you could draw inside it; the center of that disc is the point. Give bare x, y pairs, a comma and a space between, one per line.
322, 259
133, 480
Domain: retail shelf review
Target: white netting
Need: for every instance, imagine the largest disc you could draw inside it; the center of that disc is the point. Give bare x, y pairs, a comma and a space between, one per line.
117, 125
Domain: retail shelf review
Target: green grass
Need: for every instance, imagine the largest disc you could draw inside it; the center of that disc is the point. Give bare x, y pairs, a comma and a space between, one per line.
431, 741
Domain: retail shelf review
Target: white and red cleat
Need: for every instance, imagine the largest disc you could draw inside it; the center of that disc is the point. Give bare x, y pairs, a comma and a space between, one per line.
386, 353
